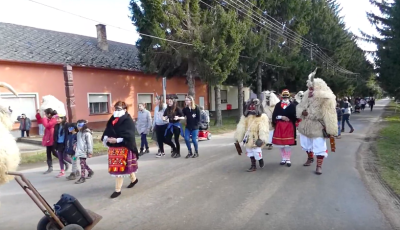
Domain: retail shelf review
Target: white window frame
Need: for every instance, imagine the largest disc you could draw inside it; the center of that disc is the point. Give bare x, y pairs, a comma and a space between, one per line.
109, 103
226, 102
26, 95
183, 99
152, 99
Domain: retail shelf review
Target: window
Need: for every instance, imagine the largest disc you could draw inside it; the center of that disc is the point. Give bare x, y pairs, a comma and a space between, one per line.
224, 96
181, 101
147, 100
99, 103
26, 103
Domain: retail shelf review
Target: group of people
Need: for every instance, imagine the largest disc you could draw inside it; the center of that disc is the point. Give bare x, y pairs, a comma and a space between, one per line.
313, 115
68, 142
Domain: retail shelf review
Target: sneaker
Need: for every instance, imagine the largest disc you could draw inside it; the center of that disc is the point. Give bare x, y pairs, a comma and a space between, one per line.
90, 174
72, 176
61, 174
80, 181
158, 155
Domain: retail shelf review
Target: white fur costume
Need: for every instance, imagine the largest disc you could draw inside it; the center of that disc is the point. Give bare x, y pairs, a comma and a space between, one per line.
299, 96
50, 101
321, 109
9, 151
269, 102
250, 129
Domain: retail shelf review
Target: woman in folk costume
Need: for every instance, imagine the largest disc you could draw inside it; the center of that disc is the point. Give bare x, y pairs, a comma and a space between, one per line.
269, 102
253, 131
119, 136
284, 120
318, 120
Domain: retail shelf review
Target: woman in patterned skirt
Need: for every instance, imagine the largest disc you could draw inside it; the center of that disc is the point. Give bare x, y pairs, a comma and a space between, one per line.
119, 137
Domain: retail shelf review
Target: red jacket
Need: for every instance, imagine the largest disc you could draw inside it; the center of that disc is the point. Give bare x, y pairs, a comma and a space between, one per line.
48, 138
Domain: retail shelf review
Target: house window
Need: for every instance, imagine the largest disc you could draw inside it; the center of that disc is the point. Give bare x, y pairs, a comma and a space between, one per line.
99, 103
24, 104
147, 100
224, 96
181, 100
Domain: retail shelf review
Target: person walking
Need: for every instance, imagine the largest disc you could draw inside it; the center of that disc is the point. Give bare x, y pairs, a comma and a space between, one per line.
144, 125
173, 114
192, 114
60, 139
339, 118
49, 122
363, 102
84, 149
119, 137
24, 125
371, 103
159, 125
346, 115
40, 126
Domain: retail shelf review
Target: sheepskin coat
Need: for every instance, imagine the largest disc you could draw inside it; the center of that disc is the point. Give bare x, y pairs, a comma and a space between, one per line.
9, 151
258, 128
321, 110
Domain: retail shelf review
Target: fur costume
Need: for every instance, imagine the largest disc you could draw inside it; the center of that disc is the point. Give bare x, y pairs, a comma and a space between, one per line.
9, 152
320, 104
269, 102
50, 101
284, 120
298, 97
253, 131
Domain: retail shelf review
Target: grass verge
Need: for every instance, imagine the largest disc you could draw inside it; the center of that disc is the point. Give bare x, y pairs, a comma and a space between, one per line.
388, 146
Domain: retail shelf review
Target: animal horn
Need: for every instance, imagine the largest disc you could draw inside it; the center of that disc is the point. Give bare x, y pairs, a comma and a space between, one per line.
9, 87
312, 75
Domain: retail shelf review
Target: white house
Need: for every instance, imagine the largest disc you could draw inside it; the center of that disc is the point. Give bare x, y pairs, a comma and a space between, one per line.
229, 97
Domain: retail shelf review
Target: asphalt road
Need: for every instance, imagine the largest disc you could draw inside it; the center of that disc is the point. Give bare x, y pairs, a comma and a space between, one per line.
214, 191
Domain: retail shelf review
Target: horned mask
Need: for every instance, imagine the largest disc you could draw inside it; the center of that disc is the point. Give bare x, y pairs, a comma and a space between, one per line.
253, 107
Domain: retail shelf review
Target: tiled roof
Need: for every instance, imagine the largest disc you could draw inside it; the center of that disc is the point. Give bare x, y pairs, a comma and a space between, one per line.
22, 43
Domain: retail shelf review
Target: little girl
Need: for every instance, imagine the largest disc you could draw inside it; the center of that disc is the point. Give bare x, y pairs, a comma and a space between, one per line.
84, 149
70, 150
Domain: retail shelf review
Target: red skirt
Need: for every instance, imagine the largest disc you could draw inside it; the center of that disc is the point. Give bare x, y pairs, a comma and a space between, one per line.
284, 133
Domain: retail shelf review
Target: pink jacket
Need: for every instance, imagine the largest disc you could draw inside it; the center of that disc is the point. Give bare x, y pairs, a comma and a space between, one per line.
48, 138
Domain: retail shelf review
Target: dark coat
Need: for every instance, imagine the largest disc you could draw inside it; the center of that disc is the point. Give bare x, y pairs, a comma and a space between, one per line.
289, 112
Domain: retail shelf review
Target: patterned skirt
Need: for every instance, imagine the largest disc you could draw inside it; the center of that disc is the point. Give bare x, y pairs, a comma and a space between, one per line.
121, 162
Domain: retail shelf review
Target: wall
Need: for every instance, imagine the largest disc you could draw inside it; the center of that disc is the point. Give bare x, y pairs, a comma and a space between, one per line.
232, 93
33, 80
124, 86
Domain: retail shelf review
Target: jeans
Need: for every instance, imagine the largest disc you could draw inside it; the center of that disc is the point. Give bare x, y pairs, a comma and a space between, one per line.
194, 134
338, 123
23, 133
41, 130
346, 118
143, 141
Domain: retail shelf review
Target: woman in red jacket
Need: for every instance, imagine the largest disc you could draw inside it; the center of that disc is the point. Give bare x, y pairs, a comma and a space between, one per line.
49, 121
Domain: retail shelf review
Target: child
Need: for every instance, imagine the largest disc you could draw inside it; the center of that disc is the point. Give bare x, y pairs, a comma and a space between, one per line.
70, 150
84, 149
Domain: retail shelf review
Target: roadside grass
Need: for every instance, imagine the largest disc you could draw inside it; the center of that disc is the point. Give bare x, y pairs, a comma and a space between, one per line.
228, 125
388, 146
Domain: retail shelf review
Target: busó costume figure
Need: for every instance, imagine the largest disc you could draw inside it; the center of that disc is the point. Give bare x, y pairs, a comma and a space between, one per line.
253, 131
269, 102
284, 120
318, 120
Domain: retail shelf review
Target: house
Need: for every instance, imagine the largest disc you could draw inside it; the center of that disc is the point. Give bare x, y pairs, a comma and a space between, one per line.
88, 74
229, 99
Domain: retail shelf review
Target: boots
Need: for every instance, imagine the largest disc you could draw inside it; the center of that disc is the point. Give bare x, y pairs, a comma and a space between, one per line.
147, 150
253, 167
196, 154
310, 159
141, 152
50, 165
261, 163
269, 146
320, 160
190, 154
90, 174
177, 155
173, 153
71, 176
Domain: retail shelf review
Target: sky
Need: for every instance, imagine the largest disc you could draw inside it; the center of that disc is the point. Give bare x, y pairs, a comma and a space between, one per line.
116, 13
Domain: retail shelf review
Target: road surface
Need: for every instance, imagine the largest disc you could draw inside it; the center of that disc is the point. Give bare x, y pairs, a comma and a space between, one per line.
214, 191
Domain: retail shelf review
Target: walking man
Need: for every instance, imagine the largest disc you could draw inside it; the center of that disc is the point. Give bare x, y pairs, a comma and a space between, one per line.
346, 115
24, 125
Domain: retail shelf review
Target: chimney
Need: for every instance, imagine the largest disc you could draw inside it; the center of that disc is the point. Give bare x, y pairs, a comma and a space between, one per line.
102, 37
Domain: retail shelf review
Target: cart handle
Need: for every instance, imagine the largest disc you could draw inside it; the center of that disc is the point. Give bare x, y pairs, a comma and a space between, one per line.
36, 197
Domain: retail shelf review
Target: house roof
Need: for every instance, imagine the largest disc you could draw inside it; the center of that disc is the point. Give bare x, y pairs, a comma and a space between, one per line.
23, 43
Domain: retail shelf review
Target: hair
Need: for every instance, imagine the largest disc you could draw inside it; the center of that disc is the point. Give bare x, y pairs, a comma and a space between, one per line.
63, 120
142, 104
73, 125
121, 104
50, 111
84, 127
192, 104
171, 109
161, 104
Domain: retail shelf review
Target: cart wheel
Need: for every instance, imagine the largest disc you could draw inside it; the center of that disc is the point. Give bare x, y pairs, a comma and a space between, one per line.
209, 136
46, 224
72, 227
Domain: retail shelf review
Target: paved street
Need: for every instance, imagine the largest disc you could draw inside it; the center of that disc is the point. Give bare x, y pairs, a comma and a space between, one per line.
215, 192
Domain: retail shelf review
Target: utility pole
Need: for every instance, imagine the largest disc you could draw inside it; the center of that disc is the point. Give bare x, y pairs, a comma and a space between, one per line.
164, 83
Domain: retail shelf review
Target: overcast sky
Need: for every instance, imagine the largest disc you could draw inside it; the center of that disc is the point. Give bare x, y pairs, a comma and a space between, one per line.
116, 12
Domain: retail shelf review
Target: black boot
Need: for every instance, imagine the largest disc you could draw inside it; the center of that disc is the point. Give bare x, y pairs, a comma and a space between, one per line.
141, 152
253, 167
90, 174
147, 150
177, 155
196, 154
50, 165
173, 153
190, 154
72, 176
261, 162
